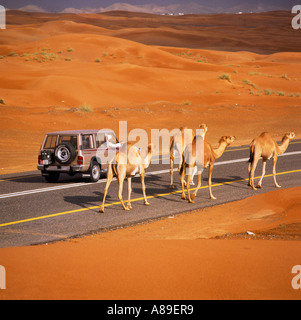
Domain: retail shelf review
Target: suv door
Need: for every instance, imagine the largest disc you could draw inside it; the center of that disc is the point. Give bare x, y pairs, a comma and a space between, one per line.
88, 149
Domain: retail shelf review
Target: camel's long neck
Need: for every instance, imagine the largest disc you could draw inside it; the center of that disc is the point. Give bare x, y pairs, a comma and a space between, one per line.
220, 150
283, 146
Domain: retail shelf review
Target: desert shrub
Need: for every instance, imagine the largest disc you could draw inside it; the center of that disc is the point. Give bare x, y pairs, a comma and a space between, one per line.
85, 108
268, 92
225, 76
248, 82
284, 76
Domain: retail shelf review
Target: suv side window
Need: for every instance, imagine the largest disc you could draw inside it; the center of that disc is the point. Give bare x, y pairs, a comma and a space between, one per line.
50, 142
71, 139
87, 141
101, 140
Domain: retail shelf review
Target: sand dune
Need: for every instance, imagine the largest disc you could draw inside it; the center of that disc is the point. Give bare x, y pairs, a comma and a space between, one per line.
55, 66
263, 32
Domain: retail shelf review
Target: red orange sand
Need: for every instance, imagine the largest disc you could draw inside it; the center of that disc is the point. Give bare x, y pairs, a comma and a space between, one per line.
49, 71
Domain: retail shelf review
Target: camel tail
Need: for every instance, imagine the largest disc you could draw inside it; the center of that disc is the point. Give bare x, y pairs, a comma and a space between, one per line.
113, 168
182, 165
252, 147
113, 165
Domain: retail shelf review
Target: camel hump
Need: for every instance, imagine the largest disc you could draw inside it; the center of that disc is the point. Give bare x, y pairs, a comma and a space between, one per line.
265, 136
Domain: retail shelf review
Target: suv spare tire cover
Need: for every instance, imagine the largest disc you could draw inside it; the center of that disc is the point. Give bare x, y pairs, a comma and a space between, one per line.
64, 153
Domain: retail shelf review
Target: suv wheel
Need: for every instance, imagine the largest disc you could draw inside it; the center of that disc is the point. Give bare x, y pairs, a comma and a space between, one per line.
94, 172
64, 153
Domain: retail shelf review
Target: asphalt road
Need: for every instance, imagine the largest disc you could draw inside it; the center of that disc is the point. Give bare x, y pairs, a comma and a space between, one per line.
33, 211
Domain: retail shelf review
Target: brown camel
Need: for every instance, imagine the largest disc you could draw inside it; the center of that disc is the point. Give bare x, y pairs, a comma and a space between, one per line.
265, 147
192, 159
127, 163
179, 143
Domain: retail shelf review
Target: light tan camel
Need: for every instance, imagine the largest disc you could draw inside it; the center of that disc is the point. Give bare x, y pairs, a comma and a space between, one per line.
179, 143
191, 159
266, 148
127, 163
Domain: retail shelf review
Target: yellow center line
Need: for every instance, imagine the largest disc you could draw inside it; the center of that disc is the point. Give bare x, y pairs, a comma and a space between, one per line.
133, 200
17, 178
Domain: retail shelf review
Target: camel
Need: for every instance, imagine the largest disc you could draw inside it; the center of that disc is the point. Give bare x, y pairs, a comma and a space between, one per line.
179, 143
190, 160
265, 147
127, 163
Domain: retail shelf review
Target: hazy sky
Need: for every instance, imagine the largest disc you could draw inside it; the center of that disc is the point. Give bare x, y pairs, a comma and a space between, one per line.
59, 5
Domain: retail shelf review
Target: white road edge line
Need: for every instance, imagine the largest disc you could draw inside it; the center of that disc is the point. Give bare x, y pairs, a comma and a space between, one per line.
73, 185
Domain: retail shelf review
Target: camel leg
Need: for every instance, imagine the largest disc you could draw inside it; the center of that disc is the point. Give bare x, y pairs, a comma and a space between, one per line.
171, 186
211, 165
182, 178
121, 178
263, 173
109, 179
198, 186
251, 176
193, 174
188, 184
249, 171
143, 189
129, 192
274, 172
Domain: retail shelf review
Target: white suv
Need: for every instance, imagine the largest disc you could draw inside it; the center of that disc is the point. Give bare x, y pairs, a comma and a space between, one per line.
77, 151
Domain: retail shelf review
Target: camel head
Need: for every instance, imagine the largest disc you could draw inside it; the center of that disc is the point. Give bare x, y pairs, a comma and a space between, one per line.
204, 127
289, 135
227, 139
